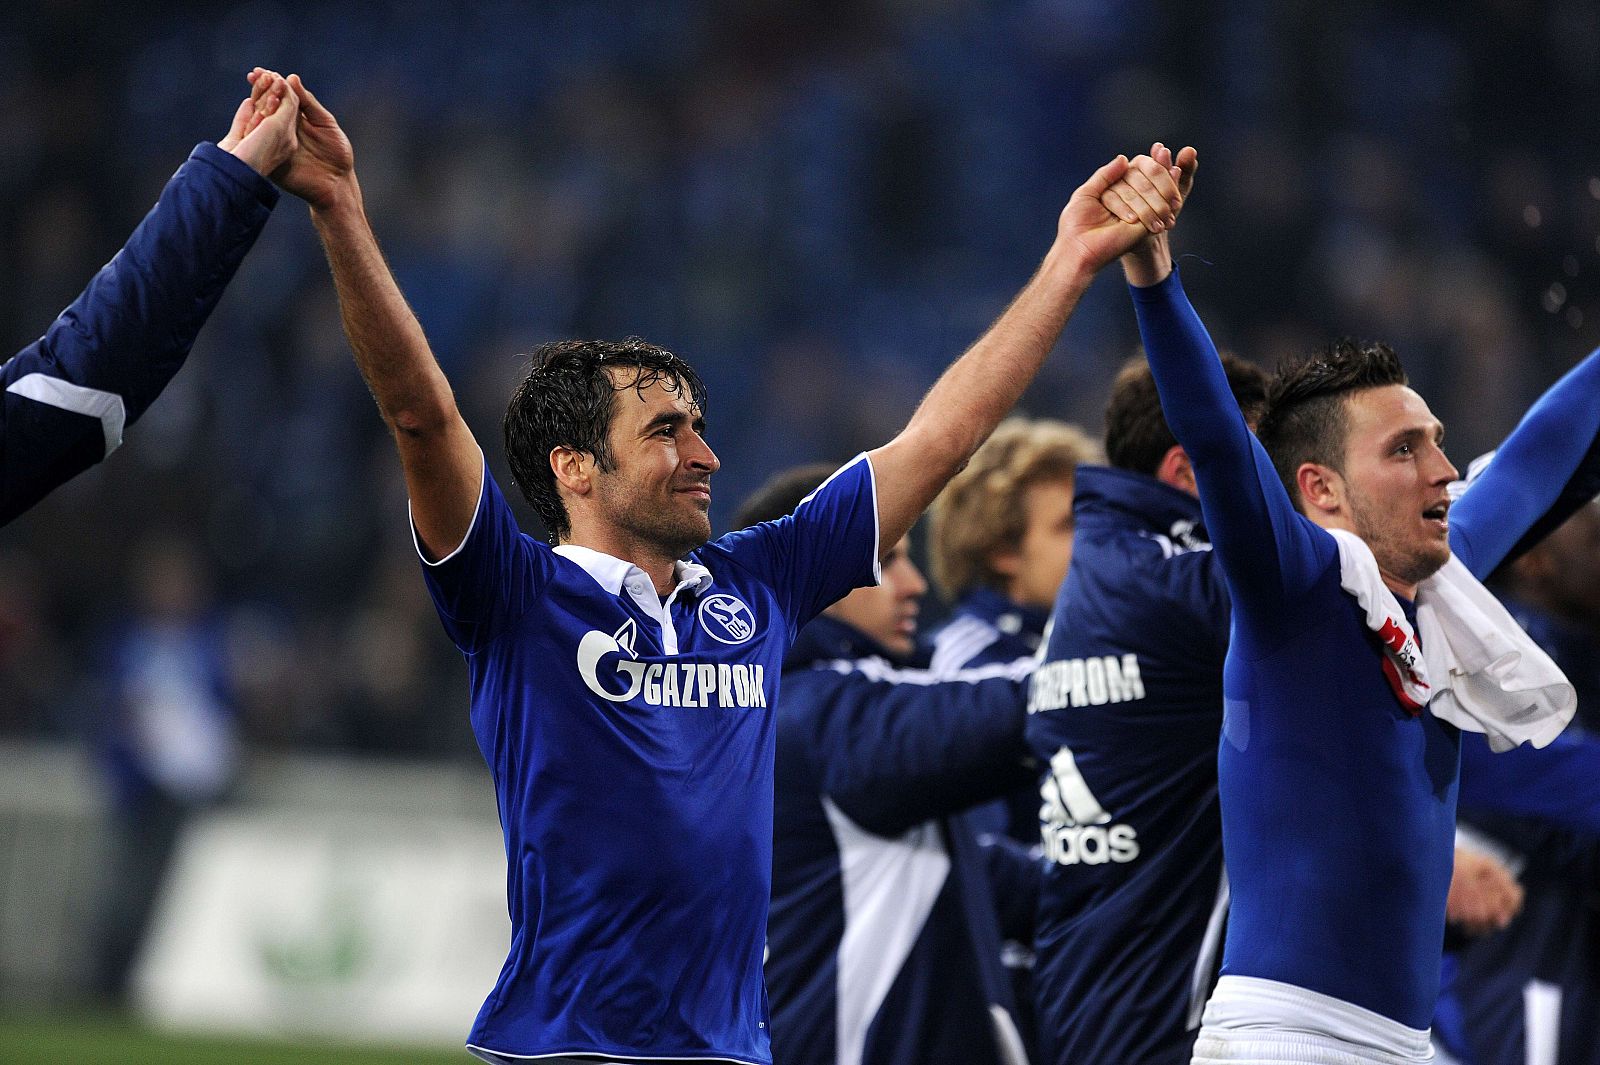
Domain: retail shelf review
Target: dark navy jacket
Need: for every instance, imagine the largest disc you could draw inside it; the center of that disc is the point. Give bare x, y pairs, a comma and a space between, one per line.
986, 628
65, 398
1125, 711
884, 933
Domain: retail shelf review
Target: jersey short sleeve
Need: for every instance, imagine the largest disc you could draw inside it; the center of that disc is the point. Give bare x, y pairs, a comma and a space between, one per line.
492, 576
813, 557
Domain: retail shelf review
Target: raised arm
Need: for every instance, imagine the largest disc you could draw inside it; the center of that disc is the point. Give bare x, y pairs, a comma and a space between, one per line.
66, 398
1547, 468
443, 463
1268, 551
978, 389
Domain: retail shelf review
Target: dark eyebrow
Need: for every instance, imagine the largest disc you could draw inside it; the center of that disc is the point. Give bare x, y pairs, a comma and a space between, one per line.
666, 417
673, 418
1416, 433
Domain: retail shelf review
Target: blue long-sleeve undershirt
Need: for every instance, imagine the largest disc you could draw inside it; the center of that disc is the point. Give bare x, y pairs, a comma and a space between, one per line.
1338, 806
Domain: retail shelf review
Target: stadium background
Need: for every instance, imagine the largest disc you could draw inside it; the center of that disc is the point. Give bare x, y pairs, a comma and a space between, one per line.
818, 204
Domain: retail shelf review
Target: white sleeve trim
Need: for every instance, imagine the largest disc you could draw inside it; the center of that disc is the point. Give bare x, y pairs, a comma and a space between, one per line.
483, 487
79, 399
877, 529
880, 670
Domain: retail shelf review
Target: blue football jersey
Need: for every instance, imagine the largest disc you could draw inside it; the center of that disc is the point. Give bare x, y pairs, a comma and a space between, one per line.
631, 745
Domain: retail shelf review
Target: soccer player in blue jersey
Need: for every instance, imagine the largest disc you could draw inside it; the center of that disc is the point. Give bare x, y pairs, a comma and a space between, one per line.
1337, 769
623, 679
1146, 599
66, 399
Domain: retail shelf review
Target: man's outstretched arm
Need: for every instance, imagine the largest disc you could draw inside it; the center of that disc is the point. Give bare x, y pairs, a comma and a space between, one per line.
982, 386
66, 398
1267, 550
1544, 471
443, 463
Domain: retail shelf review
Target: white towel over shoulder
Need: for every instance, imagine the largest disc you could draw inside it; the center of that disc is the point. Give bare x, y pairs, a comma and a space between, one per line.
1475, 668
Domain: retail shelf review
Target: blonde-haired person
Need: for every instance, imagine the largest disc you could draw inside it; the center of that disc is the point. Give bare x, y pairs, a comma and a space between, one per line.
1000, 544
1001, 541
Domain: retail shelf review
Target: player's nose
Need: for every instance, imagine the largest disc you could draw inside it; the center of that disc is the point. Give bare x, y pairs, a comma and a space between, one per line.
701, 457
1446, 470
913, 585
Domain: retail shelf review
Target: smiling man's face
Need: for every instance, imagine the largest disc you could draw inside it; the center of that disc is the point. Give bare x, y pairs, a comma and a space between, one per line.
659, 489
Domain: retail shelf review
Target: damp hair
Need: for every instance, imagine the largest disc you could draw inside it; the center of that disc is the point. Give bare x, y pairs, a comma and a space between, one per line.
568, 399
1306, 419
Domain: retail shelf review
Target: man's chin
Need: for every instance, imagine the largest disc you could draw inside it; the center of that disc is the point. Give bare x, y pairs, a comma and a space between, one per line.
691, 536
1426, 563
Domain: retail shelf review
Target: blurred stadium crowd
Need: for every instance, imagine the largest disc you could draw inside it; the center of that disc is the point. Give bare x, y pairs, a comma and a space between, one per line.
818, 204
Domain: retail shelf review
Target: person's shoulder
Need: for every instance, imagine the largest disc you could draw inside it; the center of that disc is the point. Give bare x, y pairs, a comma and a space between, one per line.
729, 556
1144, 558
964, 636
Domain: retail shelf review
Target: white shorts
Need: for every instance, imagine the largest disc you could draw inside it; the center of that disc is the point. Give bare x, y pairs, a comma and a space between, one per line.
1250, 1021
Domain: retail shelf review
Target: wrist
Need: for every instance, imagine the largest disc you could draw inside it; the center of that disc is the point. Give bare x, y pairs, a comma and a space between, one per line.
1067, 266
249, 152
340, 203
1147, 266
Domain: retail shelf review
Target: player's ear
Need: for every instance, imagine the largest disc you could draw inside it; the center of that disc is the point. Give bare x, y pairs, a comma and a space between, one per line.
574, 469
1321, 487
1177, 471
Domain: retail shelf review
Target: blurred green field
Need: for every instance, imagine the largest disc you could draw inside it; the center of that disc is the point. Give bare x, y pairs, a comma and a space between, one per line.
76, 1040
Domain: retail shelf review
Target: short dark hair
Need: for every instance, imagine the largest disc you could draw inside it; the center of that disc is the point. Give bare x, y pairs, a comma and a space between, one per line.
568, 399
782, 492
1137, 434
1306, 419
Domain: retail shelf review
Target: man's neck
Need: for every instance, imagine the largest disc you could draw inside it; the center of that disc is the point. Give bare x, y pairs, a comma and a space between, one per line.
1398, 586
1013, 591
1395, 584
659, 565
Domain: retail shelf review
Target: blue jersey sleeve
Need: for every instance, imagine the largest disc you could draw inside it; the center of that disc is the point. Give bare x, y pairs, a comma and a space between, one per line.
1539, 475
65, 398
491, 578
1554, 785
897, 747
813, 557
1269, 552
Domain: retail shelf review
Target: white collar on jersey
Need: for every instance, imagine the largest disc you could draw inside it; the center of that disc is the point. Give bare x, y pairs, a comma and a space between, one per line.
617, 575
612, 573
